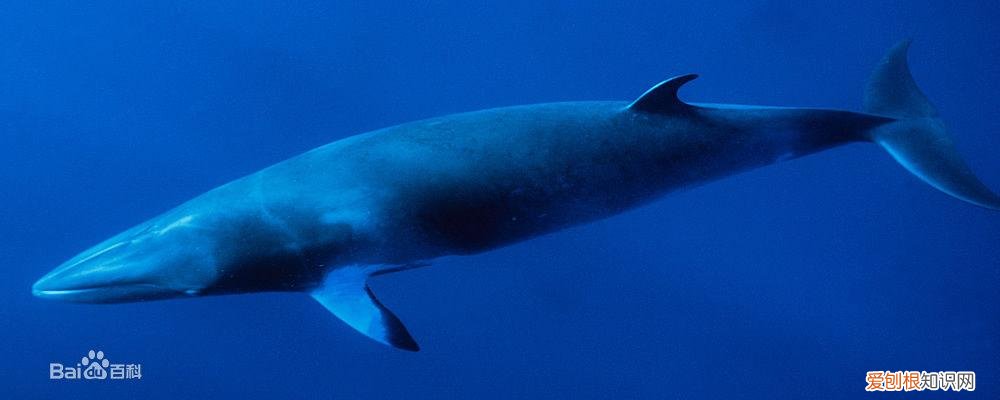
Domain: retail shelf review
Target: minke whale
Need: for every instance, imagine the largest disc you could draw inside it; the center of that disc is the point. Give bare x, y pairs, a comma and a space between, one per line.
326, 221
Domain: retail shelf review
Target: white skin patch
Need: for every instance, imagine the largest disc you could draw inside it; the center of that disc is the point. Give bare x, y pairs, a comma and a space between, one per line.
353, 217
176, 224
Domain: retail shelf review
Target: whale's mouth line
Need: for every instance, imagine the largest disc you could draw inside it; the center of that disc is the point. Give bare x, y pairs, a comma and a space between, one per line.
110, 293
62, 293
82, 289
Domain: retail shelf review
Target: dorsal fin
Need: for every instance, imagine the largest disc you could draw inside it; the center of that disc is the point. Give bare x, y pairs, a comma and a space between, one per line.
662, 98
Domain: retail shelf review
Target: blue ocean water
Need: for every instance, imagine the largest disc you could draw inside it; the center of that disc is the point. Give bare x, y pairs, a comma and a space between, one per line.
792, 280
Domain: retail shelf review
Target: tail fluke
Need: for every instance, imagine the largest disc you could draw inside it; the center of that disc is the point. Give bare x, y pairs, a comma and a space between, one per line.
918, 139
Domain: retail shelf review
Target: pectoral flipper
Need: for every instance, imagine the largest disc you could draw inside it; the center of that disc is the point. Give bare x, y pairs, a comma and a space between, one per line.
346, 294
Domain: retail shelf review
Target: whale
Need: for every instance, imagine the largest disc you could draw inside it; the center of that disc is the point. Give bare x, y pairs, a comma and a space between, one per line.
326, 221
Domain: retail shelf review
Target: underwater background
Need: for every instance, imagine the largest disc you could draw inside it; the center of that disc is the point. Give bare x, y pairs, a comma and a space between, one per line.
788, 281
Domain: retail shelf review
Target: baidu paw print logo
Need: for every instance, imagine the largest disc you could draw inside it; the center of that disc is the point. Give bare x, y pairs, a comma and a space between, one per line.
95, 365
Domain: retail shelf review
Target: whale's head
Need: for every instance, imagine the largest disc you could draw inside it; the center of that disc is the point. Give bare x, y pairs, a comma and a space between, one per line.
166, 257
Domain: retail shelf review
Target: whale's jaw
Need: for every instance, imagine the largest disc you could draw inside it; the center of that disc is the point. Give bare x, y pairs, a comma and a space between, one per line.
108, 294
